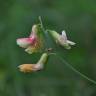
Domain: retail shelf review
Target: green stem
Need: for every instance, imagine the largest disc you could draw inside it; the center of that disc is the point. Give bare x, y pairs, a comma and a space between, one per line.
45, 33
42, 27
75, 70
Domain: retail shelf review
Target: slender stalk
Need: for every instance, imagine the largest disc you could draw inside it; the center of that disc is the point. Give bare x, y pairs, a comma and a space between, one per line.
75, 70
45, 32
41, 24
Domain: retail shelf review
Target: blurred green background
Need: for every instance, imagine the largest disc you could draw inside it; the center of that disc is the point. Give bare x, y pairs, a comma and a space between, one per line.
78, 18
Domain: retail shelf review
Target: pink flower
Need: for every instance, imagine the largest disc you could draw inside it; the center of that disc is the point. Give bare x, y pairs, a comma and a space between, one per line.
33, 42
30, 40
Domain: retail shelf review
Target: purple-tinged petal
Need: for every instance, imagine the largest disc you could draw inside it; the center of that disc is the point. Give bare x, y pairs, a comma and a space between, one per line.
24, 42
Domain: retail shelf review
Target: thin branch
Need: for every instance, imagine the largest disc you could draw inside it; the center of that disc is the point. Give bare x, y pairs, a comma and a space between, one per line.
75, 70
41, 23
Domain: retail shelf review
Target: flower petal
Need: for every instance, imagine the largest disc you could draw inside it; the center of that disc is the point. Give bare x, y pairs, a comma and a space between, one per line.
64, 35
26, 67
36, 47
30, 67
70, 42
24, 42
31, 49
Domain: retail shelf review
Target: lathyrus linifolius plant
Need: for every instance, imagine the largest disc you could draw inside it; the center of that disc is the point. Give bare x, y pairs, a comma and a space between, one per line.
34, 44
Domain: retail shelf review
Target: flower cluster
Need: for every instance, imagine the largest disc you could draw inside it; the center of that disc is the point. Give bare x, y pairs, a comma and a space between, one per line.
33, 43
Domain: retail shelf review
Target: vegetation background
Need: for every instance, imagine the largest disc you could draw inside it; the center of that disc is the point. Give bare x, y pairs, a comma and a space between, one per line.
78, 18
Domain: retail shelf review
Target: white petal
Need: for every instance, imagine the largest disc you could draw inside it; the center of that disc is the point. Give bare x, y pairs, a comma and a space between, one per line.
70, 42
64, 34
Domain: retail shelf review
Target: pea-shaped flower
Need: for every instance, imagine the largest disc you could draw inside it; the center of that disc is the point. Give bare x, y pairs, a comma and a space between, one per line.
34, 67
62, 39
32, 43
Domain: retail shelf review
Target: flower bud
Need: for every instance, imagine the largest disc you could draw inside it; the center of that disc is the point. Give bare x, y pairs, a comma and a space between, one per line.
61, 39
34, 67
